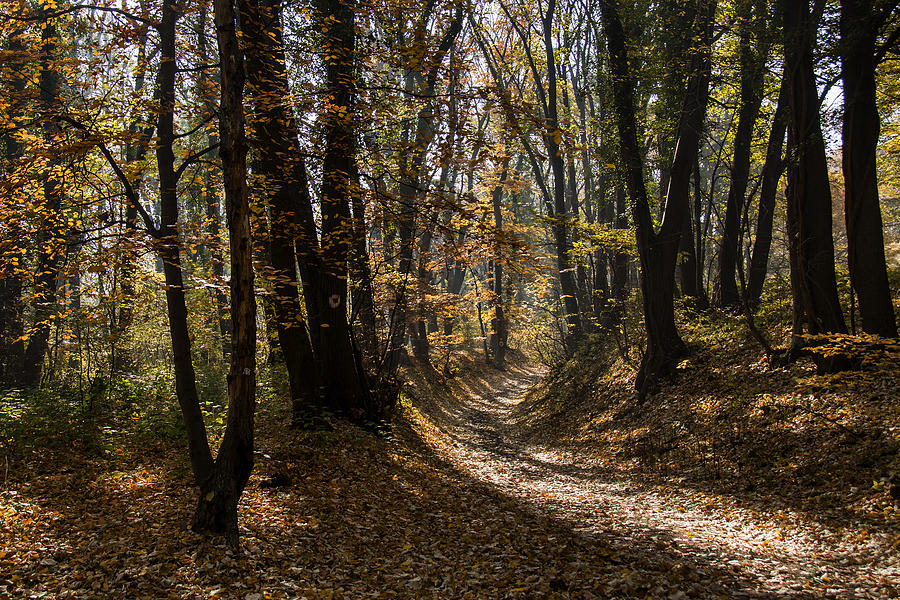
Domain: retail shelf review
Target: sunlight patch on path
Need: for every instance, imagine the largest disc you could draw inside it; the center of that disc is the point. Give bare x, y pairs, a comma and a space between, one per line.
783, 555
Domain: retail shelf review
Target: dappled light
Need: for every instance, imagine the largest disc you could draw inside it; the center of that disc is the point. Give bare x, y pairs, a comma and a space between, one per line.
344, 299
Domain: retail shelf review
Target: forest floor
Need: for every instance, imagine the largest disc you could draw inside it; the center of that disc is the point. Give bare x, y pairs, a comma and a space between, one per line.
481, 491
714, 540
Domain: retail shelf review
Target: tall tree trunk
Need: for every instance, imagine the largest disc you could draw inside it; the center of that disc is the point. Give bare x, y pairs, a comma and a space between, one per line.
809, 203
345, 383
499, 331
771, 174
12, 348
865, 236
659, 250
361, 290
752, 58
212, 203
276, 163
220, 492
169, 246
412, 167
51, 238
687, 262
552, 136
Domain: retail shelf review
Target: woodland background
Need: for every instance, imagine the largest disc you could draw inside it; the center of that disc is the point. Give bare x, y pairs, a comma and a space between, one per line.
211, 206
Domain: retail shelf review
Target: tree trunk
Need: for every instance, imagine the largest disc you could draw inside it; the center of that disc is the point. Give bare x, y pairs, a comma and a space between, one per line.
772, 171
168, 248
809, 203
752, 57
659, 250
361, 291
273, 134
12, 348
51, 238
499, 331
552, 136
346, 388
220, 492
221, 318
865, 236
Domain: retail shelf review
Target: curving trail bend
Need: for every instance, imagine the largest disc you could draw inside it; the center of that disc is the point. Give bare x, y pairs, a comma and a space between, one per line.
772, 555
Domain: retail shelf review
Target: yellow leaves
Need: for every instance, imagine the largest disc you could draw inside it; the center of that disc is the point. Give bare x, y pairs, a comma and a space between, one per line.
557, 136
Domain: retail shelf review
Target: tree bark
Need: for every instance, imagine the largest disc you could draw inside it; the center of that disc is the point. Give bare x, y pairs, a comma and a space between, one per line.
752, 57
51, 238
345, 384
861, 127
771, 174
168, 248
220, 492
412, 166
12, 348
809, 203
659, 250
276, 156
499, 331
552, 136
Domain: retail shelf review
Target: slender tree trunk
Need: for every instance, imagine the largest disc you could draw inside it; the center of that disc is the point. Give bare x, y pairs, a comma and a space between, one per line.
361, 290
865, 236
772, 171
168, 248
499, 331
411, 174
212, 203
51, 239
276, 164
619, 285
552, 136
12, 348
345, 383
752, 57
220, 492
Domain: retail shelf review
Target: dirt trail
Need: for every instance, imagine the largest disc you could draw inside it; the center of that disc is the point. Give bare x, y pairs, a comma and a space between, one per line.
782, 555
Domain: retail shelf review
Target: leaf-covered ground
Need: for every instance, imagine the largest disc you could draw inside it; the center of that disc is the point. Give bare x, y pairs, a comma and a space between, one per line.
790, 474
460, 502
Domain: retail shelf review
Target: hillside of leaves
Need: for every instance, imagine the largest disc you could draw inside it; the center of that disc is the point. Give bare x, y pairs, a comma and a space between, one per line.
766, 435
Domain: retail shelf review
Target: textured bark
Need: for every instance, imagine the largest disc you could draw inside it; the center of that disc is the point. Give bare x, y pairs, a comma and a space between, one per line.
499, 329
809, 203
12, 348
772, 171
212, 203
567, 277
220, 492
861, 127
409, 190
361, 291
659, 250
344, 381
276, 164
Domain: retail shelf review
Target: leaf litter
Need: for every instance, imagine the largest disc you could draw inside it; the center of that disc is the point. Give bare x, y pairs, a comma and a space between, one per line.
461, 501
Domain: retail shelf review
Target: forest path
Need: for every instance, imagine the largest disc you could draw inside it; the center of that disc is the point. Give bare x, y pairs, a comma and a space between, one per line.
769, 554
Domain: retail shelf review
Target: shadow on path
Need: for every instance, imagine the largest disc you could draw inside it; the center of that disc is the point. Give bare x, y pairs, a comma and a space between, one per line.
753, 553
